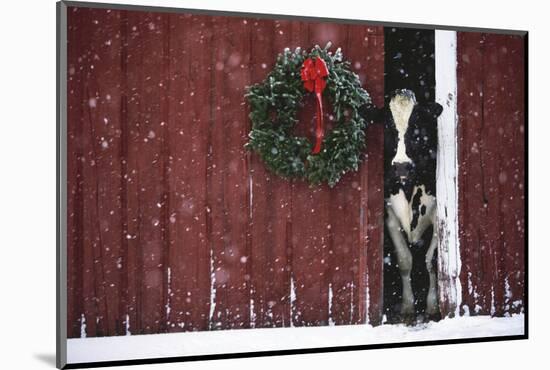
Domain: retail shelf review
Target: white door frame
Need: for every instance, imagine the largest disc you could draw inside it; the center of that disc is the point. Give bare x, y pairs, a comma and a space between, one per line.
449, 287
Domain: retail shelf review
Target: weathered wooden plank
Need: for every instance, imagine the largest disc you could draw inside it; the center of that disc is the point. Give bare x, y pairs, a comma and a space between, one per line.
281, 214
228, 177
310, 239
512, 175
496, 98
104, 82
106, 118
89, 276
123, 261
371, 74
343, 207
469, 78
310, 217
493, 117
490, 111
100, 171
261, 226
505, 96
129, 169
269, 202
146, 94
75, 309
187, 127
373, 213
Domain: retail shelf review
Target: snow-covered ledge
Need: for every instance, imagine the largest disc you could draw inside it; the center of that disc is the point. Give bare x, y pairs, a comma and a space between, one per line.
252, 340
450, 290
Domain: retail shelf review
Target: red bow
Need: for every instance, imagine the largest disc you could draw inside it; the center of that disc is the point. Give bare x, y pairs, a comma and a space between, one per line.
313, 73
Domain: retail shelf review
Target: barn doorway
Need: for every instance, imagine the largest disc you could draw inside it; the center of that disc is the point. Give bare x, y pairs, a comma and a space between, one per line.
409, 64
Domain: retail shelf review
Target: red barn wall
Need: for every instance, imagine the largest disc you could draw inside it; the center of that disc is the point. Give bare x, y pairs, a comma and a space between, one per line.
165, 206
491, 161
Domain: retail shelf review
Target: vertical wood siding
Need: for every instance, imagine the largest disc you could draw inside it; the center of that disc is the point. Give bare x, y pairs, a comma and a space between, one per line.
172, 224
491, 156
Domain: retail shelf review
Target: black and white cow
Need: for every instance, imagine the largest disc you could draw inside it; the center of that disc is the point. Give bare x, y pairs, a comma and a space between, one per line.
410, 148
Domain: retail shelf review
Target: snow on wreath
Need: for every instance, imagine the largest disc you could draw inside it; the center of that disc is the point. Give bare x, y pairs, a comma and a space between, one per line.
274, 105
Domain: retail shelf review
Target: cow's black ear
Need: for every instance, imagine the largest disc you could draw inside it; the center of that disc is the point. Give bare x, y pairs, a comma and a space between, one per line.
431, 110
371, 114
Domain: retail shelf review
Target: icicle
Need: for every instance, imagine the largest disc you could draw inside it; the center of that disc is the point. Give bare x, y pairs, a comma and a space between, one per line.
367, 304
251, 196
212, 287
82, 326
351, 307
507, 295
493, 309
168, 283
330, 320
292, 299
128, 332
252, 313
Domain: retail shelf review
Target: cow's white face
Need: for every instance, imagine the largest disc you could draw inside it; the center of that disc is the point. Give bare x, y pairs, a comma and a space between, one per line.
401, 107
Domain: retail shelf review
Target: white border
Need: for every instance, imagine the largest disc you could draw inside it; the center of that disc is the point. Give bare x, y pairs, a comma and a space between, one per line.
29, 170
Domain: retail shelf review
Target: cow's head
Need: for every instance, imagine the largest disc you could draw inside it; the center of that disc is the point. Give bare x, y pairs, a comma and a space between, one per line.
411, 133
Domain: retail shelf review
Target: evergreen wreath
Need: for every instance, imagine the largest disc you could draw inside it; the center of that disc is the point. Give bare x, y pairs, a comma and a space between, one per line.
274, 104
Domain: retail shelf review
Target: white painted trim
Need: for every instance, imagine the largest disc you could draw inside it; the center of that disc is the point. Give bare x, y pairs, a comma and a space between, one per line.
450, 289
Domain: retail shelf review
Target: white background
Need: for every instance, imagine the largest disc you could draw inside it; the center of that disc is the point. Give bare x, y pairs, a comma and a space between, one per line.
27, 182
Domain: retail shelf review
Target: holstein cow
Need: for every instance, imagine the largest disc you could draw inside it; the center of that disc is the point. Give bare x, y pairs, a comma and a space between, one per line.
410, 148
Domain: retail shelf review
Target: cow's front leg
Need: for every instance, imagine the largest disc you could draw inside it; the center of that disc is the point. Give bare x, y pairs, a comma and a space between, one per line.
404, 260
432, 308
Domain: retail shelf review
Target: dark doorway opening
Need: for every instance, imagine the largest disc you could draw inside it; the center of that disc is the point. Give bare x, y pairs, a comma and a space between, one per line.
409, 64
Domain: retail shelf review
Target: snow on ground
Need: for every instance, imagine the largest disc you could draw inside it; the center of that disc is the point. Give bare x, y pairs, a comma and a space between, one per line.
251, 340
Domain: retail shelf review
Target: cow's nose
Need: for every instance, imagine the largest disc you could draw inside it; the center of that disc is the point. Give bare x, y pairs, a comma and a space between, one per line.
402, 169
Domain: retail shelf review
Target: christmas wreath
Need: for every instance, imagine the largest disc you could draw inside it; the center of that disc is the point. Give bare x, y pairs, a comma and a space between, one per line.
274, 105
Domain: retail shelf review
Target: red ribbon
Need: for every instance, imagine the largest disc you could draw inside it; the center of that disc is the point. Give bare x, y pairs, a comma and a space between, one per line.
313, 73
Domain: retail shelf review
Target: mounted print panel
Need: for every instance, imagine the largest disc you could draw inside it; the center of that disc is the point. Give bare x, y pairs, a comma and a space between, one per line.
237, 184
